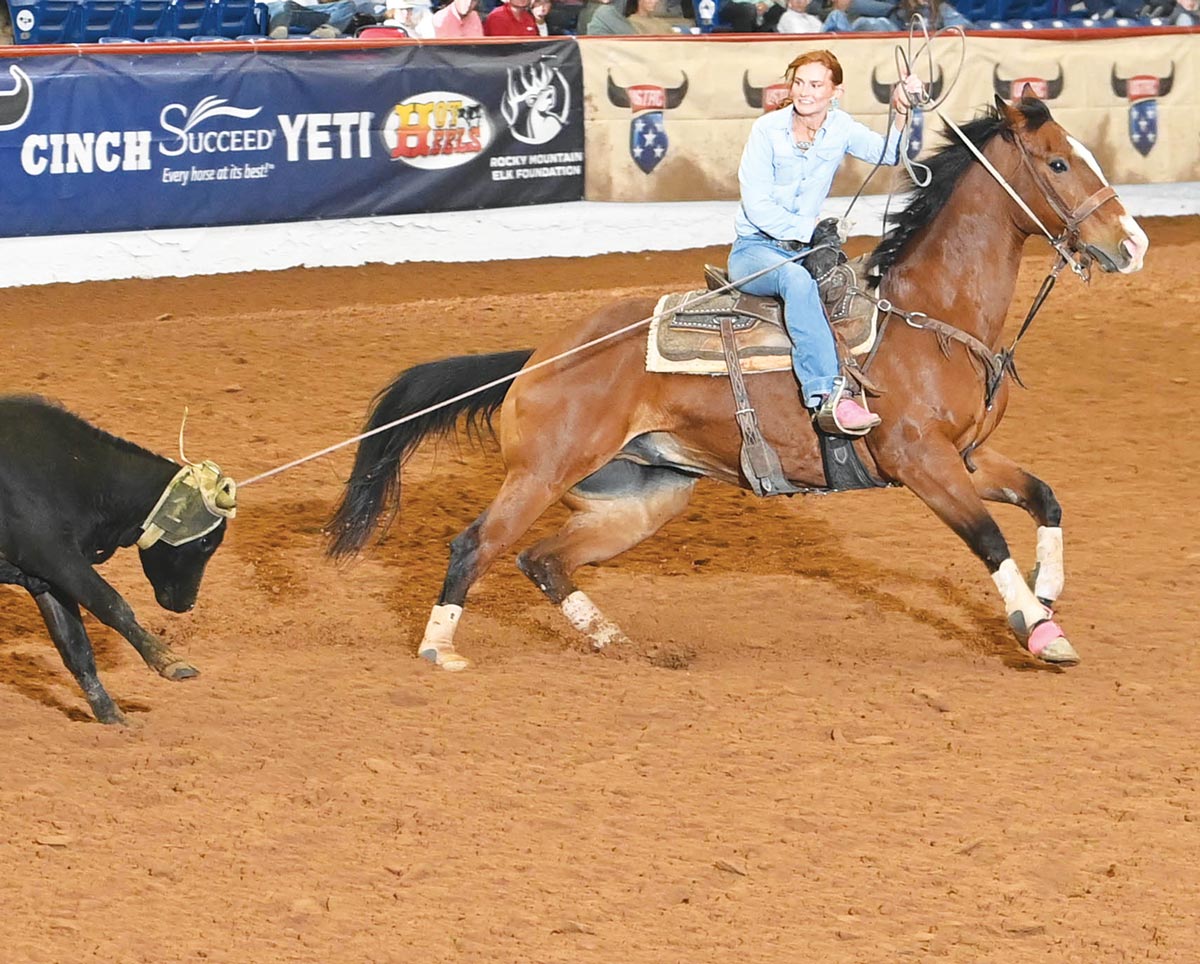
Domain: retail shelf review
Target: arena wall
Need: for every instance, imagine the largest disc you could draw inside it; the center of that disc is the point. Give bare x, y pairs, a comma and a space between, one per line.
1147, 141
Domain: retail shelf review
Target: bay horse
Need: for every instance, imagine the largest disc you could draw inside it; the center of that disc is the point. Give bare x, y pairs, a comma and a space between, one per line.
623, 448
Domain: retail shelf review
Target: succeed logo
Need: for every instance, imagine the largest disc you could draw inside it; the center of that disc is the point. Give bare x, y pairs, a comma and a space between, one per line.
182, 124
437, 129
88, 152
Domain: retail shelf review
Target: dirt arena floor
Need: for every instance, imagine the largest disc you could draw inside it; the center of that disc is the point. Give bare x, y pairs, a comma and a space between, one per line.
854, 763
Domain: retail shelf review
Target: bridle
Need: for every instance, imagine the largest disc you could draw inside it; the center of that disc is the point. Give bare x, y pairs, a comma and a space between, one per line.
1071, 219
1067, 243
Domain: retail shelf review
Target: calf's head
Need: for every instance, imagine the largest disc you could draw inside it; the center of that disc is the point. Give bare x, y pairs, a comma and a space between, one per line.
175, 571
183, 530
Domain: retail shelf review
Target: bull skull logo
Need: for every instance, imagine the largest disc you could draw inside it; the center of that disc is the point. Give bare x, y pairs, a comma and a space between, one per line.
1143, 91
15, 103
766, 98
647, 132
916, 127
536, 103
1013, 89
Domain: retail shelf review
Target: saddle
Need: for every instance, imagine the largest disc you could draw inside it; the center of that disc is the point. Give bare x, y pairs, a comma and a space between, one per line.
687, 340
734, 333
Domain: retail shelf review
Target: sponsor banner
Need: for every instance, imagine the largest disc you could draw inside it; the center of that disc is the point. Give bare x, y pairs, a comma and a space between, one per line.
667, 119
126, 142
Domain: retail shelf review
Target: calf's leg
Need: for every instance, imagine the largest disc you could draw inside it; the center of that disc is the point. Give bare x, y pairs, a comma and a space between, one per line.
71, 639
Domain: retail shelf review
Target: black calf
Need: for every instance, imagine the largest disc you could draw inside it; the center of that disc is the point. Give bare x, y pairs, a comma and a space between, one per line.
70, 496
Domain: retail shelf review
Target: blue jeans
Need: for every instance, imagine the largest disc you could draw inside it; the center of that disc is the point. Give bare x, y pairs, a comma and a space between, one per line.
838, 22
814, 356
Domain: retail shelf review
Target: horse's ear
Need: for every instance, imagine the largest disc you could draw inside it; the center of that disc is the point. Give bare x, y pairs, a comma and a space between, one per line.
1012, 117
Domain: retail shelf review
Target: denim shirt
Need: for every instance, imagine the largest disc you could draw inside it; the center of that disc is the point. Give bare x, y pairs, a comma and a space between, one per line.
784, 187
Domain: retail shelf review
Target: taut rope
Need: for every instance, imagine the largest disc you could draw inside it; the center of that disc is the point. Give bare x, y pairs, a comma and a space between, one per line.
702, 299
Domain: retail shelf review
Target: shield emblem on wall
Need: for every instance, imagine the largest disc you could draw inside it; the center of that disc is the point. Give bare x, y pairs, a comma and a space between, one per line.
1143, 91
648, 140
1143, 125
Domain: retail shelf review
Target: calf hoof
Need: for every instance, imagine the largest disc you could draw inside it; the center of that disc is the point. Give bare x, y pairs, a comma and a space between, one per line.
177, 669
110, 715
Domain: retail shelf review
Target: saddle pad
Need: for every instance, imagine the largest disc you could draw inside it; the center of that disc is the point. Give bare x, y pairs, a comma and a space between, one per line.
696, 349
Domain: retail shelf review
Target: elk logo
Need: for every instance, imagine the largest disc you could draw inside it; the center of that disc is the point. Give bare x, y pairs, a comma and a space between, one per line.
15, 103
766, 98
916, 126
647, 133
1013, 89
536, 103
1143, 91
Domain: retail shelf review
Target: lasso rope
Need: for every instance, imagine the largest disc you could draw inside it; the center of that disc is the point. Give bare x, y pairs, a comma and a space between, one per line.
632, 326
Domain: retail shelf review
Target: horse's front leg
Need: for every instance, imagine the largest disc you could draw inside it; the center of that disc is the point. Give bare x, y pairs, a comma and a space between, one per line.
940, 480
999, 479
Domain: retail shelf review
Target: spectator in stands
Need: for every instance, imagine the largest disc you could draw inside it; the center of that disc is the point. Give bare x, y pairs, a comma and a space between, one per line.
602, 19
564, 17
937, 15
410, 16
856, 16
511, 19
1185, 14
288, 18
456, 19
646, 17
749, 16
540, 10
797, 19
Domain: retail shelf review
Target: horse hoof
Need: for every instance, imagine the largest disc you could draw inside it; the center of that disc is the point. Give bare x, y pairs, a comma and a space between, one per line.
1048, 643
1059, 652
447, 659
177, 670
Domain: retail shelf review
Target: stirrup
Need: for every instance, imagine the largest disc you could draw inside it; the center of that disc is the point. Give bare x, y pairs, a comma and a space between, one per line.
826, 416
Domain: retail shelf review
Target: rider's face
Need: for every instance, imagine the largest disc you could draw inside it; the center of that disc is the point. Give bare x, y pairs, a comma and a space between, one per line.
812, 89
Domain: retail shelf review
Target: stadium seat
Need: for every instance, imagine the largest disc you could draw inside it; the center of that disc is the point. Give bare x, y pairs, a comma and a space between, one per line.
145, 20
46, 21
382, 33
236, 18
186, 18
102, 18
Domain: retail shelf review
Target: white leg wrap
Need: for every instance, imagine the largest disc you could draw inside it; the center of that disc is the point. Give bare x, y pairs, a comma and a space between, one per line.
437, 645
582, 613
1050, 577
1022, 606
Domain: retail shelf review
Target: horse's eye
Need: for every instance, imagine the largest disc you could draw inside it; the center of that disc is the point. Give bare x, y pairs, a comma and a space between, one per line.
1058, 166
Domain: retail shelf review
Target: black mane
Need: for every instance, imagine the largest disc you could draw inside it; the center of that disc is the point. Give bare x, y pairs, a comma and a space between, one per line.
945, 169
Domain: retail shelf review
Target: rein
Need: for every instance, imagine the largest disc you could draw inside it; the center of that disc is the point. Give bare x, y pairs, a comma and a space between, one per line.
996, 364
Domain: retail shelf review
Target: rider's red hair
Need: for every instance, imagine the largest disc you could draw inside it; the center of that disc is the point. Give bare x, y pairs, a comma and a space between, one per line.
823, 57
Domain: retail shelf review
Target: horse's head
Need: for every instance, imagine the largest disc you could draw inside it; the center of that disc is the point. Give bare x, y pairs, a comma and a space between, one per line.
1064, 186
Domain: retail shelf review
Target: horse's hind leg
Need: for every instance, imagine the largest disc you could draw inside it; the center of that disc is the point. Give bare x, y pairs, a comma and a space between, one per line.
521, 499
999, 479
937, 476
614, 509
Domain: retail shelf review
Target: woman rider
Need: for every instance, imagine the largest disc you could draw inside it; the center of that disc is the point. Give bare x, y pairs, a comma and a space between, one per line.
786, 172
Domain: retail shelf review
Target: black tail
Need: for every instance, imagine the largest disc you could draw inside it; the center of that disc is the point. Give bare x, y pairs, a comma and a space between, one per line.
374, 483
